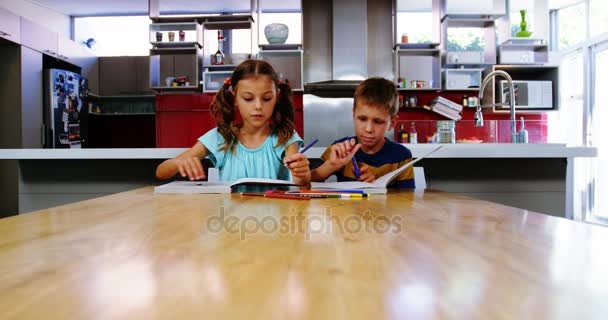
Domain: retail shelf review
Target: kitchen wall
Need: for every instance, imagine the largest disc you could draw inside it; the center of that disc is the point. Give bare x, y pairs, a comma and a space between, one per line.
53, 20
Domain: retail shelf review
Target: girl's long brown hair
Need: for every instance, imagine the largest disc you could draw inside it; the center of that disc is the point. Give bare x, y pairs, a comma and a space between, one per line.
224, 112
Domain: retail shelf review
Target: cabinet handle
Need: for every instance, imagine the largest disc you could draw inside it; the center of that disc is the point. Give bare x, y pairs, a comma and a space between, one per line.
43, 135
2, 33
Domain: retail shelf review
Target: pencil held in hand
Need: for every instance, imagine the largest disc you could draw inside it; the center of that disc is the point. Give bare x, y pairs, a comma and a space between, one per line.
356, 168
286, 163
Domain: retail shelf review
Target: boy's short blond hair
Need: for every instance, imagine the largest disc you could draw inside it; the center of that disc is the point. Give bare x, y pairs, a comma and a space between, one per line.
378, 92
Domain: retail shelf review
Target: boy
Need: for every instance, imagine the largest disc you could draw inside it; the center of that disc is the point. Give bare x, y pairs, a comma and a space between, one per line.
374, 112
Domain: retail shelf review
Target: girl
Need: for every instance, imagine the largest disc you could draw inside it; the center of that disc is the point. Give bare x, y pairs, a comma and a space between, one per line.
261, 144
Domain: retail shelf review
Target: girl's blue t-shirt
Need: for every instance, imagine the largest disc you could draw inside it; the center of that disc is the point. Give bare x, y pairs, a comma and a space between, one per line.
265, 161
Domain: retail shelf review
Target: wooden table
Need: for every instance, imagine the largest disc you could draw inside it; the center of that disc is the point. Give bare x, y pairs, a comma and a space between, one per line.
424, 255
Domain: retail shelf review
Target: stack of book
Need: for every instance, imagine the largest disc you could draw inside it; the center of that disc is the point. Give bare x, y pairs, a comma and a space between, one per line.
445, 108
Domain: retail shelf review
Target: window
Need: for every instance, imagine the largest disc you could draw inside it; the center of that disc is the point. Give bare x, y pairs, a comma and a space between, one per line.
115, 36
600, 131
417, 25
598, 17
567, 123
578, 29
415, 18
572, 25
466, 39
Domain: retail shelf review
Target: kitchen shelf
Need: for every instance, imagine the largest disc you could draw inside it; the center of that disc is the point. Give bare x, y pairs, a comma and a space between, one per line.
270, 47
462, 79
287, 63
419, 89
419, 64
224, 22
470, 58
213, 80
193, 34
173, 63
523, 51
521, 73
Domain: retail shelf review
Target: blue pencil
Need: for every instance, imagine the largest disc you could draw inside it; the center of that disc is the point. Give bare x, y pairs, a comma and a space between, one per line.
356, 167
309, 145
305, 148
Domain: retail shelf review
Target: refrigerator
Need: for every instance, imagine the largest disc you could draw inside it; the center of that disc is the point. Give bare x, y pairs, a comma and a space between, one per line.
65, 97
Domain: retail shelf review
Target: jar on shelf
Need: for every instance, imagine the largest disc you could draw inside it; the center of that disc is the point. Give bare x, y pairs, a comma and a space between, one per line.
446, 131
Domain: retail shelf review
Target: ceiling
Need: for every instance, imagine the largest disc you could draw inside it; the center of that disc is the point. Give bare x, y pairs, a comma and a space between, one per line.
136, 7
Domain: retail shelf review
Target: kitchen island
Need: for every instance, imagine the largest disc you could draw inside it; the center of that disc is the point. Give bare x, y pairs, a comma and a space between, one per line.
537, 177
405, 255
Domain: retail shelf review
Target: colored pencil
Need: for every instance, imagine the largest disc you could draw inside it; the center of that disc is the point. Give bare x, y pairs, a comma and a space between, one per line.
274, 195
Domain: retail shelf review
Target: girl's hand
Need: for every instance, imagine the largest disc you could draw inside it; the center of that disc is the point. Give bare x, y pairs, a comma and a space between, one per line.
342, 152
190, 167
299, 166
365, 174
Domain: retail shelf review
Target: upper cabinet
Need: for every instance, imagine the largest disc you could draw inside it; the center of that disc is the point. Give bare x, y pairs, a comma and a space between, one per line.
477, 7
10, 26
161, 9
38, 37
124, 76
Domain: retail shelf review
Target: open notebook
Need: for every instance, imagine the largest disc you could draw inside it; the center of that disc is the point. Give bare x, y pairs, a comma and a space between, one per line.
215, 186
377, 187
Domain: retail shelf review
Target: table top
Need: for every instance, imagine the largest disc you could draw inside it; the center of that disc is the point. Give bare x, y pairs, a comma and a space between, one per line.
415, 255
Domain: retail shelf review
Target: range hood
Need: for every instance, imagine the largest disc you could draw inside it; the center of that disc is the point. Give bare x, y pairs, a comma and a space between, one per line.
349, 50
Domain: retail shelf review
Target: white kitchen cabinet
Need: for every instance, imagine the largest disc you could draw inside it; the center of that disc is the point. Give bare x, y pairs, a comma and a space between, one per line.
38, 37
475, 7
10, 26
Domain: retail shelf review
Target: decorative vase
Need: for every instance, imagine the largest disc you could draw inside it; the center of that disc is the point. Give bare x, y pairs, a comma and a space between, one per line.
276, 33
523, 25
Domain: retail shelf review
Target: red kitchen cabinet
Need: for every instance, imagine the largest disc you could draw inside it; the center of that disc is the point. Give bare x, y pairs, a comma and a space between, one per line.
181, 129
182, 118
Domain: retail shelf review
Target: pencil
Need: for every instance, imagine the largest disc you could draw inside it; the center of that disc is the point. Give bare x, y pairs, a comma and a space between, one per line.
309, 145
274, 195
304, 149
356, 167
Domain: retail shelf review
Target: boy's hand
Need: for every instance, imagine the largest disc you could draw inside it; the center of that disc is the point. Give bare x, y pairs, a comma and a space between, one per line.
365, 174
190, 167
342, 152
299, 166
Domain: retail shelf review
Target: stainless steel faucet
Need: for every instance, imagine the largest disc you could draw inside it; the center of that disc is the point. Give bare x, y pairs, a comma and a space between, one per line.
479, 114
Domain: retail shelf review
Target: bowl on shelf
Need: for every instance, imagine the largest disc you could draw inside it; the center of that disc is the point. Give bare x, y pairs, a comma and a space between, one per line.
276, 33
238, 58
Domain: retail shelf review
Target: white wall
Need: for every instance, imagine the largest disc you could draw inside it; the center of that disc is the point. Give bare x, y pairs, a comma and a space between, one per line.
44, 16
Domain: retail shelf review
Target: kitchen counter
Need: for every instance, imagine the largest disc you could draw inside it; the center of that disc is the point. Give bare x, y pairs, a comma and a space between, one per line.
489, 150
537, 177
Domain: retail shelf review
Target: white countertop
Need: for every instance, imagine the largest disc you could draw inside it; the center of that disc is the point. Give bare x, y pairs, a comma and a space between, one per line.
484, 150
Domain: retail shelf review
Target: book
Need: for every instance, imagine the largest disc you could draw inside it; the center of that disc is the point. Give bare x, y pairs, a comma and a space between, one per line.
448, 103
380, 186
216, 186
449, 115
441, 109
